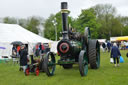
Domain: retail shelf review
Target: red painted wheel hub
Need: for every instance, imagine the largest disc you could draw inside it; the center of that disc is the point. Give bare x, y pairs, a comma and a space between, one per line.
64, 47
37, 71
27, 72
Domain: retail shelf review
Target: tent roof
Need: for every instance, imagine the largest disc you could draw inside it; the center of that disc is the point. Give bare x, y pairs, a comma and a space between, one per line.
122, 38
13, 32
113, 39
101, 40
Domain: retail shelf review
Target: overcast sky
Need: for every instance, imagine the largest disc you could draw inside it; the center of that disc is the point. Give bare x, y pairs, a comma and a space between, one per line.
43, 8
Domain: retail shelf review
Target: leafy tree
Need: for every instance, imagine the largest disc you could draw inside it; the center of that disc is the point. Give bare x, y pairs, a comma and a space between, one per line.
125, 31
32, 24
49, 31
23, 22
10, 20
50, 26
124, 22
87, 18
110, 25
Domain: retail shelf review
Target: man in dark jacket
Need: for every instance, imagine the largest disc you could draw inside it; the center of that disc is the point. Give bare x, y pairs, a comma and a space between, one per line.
115, 53
23, 57
104, 47
108, 46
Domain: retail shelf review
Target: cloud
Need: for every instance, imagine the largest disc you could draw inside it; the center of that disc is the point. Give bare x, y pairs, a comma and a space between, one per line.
43, 8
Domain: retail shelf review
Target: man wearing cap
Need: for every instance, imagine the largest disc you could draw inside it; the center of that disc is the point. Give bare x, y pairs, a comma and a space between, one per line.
23, 57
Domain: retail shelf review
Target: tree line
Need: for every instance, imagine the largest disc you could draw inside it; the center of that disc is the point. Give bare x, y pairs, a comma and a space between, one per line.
102, 19
31, 23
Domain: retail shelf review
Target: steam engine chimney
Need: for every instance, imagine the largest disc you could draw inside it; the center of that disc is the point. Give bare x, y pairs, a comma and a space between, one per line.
64, 12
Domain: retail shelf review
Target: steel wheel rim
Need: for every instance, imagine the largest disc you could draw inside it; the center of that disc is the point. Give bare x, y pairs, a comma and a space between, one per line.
97, 55
51, 65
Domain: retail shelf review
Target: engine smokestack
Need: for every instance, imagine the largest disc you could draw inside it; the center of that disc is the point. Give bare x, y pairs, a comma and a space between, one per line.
64, 12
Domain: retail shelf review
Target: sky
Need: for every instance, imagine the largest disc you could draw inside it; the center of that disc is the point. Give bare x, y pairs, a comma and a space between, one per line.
43, 8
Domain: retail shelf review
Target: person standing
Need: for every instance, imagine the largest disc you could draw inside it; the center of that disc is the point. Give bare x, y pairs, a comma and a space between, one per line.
108, 46
37, 50
104, 47
18, 49
115, 53
23, 57
14, 54
14, 51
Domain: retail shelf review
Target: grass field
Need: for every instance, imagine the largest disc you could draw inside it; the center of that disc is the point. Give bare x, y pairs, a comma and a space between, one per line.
107, 74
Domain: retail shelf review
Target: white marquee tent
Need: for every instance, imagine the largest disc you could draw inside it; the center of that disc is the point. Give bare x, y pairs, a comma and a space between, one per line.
13, 32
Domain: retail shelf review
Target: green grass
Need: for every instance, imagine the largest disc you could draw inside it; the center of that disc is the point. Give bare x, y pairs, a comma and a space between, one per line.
107, 74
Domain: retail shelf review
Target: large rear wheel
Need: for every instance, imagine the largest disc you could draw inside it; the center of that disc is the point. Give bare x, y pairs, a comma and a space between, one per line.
49, 64
94, 54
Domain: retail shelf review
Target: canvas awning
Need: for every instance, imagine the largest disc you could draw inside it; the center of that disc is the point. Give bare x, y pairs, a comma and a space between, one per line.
122, 38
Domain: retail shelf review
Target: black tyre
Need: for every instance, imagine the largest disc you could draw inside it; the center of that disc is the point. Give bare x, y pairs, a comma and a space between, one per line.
83, 63
94, 54
67, 66
49, 64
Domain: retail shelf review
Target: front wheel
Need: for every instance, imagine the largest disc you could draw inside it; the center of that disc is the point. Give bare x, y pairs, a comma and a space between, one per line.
27, 72
83, 63
49, 64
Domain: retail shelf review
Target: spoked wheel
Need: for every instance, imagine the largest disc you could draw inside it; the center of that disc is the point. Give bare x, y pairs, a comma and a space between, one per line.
27, 72
83, 63
67, 66
37, 71
49, 64
94, 54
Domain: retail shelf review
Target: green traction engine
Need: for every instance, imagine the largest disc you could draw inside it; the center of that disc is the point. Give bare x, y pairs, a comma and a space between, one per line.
74, 48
